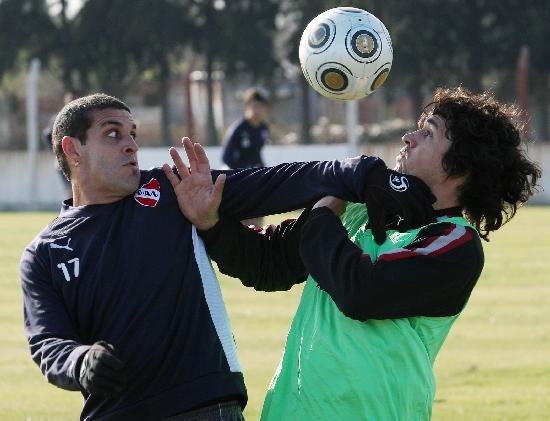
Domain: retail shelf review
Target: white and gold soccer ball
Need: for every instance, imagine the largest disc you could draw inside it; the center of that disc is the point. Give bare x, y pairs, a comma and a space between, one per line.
346, 53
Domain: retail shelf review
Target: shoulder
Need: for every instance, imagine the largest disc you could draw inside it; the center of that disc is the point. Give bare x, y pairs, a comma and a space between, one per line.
441, 239
238, 126
36, 251
50, 231
233, 131
154, 172
445, 237
156, 178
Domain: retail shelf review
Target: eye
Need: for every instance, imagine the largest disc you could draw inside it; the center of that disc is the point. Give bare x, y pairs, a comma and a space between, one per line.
134, 135
427, 133
112, 133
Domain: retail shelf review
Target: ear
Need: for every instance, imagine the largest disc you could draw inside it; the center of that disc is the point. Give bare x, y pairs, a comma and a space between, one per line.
71, 148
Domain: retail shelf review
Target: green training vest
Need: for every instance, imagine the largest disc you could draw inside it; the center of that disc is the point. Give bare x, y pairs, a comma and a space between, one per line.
337, 368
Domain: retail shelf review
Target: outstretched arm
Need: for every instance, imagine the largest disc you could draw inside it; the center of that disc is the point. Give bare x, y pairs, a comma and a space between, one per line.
432, 276
252, 192
267, 260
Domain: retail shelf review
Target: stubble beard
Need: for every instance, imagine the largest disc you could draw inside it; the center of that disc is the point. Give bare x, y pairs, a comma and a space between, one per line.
401, 162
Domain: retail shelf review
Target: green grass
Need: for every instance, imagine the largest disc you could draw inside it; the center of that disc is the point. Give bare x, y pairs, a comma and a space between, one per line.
495, 364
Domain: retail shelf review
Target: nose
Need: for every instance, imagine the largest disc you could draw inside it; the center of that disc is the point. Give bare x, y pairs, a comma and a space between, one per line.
131, 145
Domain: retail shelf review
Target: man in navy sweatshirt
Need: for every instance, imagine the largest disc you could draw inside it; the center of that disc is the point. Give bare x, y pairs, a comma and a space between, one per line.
120, 300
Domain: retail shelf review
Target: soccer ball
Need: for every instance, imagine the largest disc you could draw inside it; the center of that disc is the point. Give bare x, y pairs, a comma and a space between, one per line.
346, 53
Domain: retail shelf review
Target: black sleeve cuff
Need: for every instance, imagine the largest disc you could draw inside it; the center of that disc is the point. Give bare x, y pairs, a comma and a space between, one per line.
212, 235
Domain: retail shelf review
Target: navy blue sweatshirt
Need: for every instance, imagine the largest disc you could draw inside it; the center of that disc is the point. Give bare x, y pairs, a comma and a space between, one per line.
243, 144
135, 274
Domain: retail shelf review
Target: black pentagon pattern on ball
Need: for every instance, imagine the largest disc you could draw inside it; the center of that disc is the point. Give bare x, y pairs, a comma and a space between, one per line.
364, 43
379, 79
319, 36
335, 80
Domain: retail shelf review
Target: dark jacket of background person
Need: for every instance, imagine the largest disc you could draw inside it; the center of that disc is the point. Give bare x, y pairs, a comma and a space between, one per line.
243, 144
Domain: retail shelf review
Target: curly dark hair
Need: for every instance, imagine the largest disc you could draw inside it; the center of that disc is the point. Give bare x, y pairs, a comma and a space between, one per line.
74, 120
486, 148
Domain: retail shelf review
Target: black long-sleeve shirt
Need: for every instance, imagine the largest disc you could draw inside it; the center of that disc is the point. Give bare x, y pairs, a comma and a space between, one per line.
432, 276
267, 260
135, 274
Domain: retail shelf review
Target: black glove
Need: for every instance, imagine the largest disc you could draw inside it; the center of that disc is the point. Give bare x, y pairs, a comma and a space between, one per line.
101, 373
396, 200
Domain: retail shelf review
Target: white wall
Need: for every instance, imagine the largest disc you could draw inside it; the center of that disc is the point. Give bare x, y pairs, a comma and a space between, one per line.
15, 185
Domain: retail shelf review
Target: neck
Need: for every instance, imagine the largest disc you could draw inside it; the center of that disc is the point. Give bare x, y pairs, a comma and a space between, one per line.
254, 121
446, 193
79, 198
82, 197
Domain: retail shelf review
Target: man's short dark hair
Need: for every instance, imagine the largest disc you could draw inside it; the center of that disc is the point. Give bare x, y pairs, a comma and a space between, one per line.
254, 94
486, 148
74, 120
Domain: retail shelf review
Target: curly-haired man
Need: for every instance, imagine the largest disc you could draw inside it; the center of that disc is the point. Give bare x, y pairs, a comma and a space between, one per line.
375, 311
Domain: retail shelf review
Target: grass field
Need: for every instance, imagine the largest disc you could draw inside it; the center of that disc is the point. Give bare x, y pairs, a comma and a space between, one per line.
495, 364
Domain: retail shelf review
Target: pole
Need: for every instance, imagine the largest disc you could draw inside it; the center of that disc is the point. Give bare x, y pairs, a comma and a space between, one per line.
352, 120
523, 91
189, 118
32, 127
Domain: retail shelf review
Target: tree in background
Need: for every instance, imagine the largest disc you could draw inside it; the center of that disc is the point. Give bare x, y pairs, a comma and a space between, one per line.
294, 15
537, 32
168, 31
120, 40
25, 31
234, 36
110, 44
104, 59
249, 30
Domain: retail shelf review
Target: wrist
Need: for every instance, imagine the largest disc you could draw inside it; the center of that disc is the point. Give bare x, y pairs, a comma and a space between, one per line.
321, 211
207, 224
76, 357
80, 370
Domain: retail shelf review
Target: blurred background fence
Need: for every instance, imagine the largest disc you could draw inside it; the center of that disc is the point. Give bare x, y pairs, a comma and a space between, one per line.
43, 188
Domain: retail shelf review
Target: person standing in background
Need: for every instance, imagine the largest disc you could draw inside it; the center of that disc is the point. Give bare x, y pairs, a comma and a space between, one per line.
245, 138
